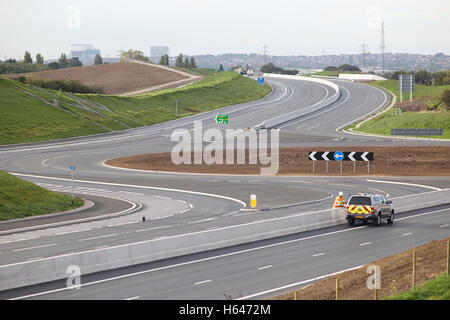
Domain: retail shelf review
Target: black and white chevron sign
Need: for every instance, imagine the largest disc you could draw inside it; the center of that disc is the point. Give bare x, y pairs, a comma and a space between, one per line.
348, 156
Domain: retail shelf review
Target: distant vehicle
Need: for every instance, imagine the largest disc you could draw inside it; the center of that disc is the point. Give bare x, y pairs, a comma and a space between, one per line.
369, 208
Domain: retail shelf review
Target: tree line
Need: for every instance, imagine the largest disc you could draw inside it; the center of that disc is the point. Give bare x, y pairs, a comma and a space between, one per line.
180, 62
439, 78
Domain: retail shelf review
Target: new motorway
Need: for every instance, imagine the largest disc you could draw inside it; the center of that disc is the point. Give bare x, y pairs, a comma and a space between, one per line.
156, 205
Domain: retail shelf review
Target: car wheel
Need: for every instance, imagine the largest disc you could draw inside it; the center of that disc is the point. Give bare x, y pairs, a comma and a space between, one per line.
378, 221
351, 222
391, 218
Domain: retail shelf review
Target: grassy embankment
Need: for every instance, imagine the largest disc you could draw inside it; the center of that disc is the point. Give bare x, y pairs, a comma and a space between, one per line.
29, 114
19, 199
439, 119
436, 289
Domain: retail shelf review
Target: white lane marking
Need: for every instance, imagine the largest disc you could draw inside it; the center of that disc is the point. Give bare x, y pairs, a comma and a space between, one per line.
99, 237
121, 224
443, 226
36, 247
406, 184
135, 186
365, 244
64, 156
297, 283
69, 232
204, 220
407, 234
34, 259
18, 240
132, 298
202, 282
318, 254
265, 267
154, 228
230, 213
208, 259
43, 163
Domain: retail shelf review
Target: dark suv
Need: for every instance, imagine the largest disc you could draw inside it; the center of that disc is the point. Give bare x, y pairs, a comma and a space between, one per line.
371, 208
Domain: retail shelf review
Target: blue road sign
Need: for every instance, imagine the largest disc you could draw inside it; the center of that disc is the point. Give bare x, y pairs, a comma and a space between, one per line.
338, 156
72, 168
260, 80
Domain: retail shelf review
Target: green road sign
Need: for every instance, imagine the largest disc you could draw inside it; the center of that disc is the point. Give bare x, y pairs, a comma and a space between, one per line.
222, 119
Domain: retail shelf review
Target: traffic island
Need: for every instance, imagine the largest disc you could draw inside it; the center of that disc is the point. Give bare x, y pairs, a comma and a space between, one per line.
388, 161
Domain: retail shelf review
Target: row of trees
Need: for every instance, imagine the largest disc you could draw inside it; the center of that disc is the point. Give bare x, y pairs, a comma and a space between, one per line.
133, 55
343, 67
185, 63
439, 78
271, 68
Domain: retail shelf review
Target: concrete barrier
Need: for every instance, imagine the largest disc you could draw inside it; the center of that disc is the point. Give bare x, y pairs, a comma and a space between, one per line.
53, 268
270, 123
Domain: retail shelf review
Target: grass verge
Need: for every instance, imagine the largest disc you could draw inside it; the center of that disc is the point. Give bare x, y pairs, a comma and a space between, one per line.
19, 199
427, 119
30, 114
436, 289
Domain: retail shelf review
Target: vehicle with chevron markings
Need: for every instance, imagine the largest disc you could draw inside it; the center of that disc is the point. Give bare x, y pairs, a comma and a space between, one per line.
369, 208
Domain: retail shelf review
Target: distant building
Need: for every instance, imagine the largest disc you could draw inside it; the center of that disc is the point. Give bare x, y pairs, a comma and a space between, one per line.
157, 51
84, 52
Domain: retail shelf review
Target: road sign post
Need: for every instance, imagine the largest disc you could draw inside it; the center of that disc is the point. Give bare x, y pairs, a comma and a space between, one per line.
72, 169
341, 156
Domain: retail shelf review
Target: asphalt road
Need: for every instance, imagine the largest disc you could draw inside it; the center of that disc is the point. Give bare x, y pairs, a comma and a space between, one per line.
213, 200
255, 270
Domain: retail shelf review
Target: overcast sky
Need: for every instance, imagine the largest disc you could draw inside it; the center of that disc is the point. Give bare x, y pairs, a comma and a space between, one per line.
287, 27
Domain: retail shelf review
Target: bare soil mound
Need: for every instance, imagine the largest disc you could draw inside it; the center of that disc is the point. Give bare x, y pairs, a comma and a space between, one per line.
388, 161
115, 78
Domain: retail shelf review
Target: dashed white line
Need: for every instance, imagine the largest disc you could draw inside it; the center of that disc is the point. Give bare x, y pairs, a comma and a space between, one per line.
204, 220
202, 282
265, 267
68, 232
154, 228
443, 226
121, 224
318, 254
99, 237
132, 298
365, 243
36, 247
407, 234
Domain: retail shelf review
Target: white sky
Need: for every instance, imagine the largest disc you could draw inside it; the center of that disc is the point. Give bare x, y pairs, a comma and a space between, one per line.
287, 27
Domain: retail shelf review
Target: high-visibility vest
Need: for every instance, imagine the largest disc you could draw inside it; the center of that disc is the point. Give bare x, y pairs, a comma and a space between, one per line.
339, 202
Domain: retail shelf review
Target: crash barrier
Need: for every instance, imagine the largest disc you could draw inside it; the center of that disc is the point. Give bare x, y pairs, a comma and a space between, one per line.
53, 268
417, 132
270, 123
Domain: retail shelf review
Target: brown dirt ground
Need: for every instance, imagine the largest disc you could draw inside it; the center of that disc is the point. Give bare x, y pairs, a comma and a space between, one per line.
388, 161
396, 276
113, 78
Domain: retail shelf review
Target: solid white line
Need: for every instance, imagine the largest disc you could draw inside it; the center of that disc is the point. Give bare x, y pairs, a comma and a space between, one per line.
134, 186
406, 184
132, 298
365, 243
33, 259
99, 237
121, 224
202, 282
407, 234
318, 254
297, 283
266, 267
29, 248
209, 259
443, 226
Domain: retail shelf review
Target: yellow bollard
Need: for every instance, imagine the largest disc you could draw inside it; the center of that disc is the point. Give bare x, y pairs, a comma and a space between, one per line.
253, 201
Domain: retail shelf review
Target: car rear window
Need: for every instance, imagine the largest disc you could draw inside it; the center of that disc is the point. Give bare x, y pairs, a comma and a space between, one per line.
365, 201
